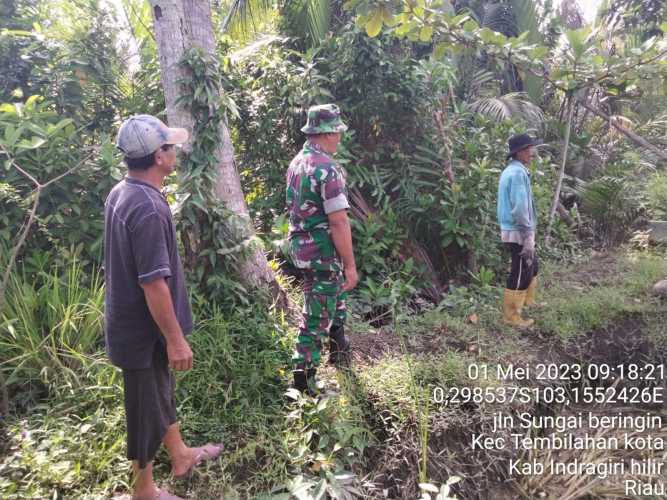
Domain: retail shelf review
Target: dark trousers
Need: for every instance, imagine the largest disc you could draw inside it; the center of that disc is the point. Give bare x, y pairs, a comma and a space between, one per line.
521, 274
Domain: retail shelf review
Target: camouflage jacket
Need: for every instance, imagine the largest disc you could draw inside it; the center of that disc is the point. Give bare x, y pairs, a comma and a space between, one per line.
315, 188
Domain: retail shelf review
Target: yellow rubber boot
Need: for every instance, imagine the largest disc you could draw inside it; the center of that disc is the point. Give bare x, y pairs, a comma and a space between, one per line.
513, 301
530, 295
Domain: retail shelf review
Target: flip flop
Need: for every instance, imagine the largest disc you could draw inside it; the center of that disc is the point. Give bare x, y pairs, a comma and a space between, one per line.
160, 495
203, 454
165, 495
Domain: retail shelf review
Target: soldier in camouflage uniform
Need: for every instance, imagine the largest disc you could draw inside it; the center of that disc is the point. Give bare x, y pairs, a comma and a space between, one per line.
320, 243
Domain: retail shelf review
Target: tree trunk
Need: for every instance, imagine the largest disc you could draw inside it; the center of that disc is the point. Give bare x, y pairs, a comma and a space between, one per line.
564, 214
561, 173
637, 139
176, 33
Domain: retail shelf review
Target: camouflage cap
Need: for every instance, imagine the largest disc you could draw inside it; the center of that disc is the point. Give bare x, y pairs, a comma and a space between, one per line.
324, 119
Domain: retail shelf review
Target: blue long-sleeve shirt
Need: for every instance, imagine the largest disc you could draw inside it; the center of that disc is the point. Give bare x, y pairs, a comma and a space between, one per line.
516, 207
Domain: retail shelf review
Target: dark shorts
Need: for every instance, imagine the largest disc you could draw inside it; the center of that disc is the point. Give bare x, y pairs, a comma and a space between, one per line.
521, 274
150, 407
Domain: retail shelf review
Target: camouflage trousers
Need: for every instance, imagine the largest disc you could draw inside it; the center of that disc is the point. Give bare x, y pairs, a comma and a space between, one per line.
323, 307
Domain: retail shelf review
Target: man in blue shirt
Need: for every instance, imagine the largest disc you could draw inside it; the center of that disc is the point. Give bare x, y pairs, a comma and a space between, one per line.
518, 221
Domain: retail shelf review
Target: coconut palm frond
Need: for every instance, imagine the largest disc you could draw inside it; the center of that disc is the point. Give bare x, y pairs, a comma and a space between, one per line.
513, 18
655, 127
481, 80
246, 16
514, 104
308, 19
139, 19
527, 19
655, 131
320, 18
250, 50
611, 205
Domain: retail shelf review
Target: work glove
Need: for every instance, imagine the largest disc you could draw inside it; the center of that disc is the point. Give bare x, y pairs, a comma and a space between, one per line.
528, 250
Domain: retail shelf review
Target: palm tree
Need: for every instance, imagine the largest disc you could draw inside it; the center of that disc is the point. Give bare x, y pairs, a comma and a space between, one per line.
306, 20
511, 18
640, 16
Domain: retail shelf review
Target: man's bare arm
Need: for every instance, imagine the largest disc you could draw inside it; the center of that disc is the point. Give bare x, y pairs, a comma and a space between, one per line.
341, 234
161, 307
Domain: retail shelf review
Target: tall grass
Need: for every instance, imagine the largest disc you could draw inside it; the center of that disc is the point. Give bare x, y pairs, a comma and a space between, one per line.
51, 328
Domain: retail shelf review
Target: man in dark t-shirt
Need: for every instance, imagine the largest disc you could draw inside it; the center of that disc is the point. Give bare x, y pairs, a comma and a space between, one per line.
147, 311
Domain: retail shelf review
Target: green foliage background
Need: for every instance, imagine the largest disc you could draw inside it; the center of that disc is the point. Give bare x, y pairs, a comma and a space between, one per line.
431, 91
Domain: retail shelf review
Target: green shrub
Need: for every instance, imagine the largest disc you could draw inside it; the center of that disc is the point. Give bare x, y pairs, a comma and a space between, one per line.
272, 89
394, 154
45, 145
656, 194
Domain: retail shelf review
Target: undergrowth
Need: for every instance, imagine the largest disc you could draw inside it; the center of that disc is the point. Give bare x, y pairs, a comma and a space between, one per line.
65, 437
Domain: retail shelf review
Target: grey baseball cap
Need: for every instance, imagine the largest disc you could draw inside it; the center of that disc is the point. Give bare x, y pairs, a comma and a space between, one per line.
141, 135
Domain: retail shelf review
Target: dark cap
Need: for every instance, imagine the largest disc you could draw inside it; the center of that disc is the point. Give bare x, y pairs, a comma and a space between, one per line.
519, 142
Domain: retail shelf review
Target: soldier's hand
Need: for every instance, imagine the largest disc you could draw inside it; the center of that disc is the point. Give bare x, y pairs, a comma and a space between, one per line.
180, 355
351, 279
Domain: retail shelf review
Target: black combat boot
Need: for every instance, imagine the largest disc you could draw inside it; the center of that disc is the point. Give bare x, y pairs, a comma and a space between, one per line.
339, 347
312, 381
304, 381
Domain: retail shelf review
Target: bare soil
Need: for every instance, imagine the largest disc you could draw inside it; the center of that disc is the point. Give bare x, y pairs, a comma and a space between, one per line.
369, 347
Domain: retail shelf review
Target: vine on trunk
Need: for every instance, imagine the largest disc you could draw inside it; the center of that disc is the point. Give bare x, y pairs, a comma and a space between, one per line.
213, 236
